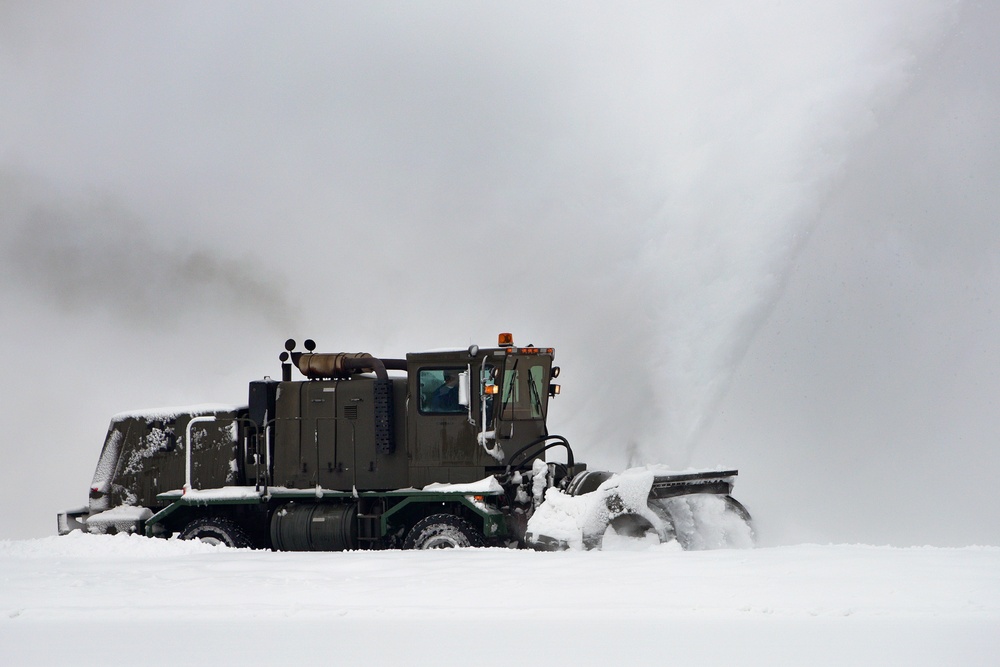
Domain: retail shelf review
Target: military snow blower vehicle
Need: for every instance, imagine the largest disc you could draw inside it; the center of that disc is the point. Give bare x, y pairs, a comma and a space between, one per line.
440, 449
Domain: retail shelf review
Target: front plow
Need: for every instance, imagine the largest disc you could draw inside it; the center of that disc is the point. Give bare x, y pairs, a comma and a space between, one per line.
650, 504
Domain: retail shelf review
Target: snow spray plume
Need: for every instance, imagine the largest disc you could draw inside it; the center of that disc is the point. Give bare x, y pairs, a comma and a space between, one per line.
744, 180
84, 254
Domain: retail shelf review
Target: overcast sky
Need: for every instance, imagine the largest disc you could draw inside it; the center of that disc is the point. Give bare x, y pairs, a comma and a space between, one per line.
758, 235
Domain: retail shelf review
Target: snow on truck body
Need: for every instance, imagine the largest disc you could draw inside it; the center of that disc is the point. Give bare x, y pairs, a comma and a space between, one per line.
450, 449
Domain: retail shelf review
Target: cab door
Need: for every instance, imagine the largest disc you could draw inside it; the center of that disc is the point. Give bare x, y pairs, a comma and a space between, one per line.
444, 438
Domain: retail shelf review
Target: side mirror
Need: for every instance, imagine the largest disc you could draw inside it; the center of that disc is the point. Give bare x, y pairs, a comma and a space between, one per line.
464, 391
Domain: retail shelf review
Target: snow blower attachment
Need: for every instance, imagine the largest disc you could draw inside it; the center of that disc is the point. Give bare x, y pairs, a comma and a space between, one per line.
440, 449
643, 503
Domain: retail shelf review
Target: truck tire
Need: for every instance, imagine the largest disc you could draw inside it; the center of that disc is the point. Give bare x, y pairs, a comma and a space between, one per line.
443, 531
216, 530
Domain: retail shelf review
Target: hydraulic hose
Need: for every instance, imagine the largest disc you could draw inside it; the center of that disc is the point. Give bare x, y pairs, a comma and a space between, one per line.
562, 442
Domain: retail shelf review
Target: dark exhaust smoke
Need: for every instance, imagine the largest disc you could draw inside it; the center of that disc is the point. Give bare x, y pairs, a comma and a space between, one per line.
85, 253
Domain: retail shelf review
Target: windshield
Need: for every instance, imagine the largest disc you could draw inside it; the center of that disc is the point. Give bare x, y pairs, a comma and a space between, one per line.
524, 388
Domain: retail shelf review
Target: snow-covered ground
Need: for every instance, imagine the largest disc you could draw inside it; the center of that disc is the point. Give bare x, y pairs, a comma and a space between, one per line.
100, 600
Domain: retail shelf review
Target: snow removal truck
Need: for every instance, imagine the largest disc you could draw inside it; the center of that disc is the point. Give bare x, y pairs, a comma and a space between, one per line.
440, 449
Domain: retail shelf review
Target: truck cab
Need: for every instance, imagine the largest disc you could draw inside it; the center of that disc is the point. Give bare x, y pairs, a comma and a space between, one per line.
470, 410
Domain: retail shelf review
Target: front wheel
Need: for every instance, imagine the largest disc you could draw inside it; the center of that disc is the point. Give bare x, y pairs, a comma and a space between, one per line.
443, 531
215, 530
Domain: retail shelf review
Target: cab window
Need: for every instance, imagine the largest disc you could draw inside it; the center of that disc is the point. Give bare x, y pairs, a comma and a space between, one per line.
439, 391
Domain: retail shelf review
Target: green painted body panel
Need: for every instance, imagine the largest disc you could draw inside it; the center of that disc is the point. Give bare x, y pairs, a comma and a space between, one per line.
325, 436
144, 454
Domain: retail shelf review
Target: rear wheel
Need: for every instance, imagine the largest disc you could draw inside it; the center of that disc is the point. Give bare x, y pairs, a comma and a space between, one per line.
443, 531
215, 530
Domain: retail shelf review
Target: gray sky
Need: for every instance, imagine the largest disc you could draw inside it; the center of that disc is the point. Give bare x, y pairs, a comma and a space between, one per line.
773, 226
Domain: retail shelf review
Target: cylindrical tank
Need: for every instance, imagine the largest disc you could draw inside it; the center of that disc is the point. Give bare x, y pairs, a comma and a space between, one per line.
315, 527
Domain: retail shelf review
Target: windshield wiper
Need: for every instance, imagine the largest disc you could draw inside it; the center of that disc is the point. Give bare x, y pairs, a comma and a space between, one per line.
510, 387
536, 399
